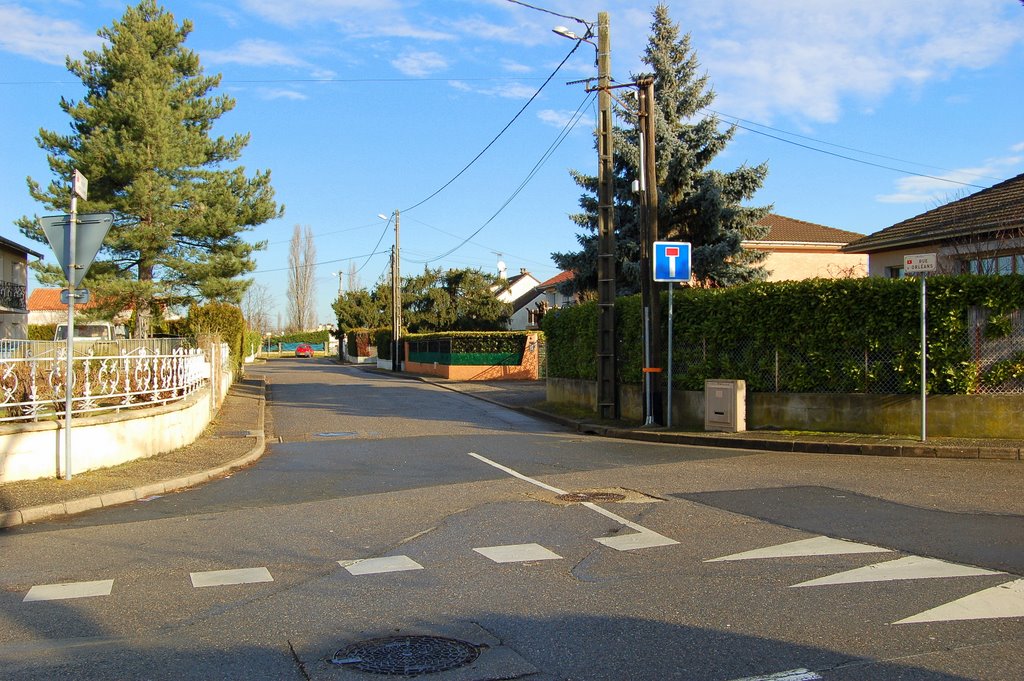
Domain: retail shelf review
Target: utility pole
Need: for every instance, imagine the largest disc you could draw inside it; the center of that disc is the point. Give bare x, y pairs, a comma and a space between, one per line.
396, 301
607, 381
653, 408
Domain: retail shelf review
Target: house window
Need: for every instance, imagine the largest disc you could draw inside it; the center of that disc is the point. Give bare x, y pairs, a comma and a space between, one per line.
1003, 264
894, 272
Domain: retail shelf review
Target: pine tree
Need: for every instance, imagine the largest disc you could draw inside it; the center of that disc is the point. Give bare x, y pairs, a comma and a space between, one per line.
696, 204
141, 135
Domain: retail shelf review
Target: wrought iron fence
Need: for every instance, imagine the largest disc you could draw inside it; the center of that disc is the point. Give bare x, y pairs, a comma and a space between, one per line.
33, 388
989, 360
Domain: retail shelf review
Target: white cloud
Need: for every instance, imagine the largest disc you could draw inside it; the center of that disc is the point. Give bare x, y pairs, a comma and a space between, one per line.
507, 90
254, 52
938, 188
280, 93
414, 63
560, 119
41, 37
356, 18
809, 58
515, 67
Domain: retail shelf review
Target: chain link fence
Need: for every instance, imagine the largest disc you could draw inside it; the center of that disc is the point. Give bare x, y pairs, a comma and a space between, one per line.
988, 360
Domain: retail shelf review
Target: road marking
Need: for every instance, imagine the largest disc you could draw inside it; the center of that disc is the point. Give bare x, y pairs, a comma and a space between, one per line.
791, 675
517, 553
1005, 600
911, 567
815, 546
645, 538
374, 566
229, 577
59, 592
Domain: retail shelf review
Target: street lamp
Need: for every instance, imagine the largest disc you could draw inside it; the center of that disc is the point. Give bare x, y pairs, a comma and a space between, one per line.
341, 281
396, 295
607, 384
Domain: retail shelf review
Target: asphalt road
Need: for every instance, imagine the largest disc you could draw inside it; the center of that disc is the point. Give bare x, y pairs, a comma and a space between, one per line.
387, 507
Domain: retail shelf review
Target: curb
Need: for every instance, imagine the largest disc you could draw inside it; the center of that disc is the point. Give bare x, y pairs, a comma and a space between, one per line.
918, 451
123, 496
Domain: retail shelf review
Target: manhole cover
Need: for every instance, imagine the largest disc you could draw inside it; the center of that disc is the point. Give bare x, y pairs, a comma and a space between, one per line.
407, 655
580, 497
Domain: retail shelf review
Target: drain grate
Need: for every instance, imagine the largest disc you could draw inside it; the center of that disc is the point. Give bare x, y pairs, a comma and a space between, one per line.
580, 497
407, 655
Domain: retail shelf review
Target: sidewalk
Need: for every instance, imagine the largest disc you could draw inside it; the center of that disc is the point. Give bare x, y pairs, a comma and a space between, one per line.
236, 438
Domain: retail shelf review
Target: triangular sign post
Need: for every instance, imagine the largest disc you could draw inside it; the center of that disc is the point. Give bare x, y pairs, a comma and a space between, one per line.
91, 230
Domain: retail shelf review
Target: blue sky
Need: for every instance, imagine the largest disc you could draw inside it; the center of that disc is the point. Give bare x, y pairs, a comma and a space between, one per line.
361, 107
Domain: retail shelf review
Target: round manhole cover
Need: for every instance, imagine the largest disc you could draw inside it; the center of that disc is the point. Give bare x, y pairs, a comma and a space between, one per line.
580, 497
407, 655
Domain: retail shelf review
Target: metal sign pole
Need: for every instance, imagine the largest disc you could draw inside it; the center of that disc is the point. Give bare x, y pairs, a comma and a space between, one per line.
77, 185
668, 416
924, 358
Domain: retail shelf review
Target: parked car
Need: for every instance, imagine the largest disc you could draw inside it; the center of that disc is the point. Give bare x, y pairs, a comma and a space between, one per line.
304, 350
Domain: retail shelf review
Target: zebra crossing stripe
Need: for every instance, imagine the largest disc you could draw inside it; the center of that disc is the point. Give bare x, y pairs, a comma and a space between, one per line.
911, 567
517, 553
230, 577
59, 592
1005, 600
815, 546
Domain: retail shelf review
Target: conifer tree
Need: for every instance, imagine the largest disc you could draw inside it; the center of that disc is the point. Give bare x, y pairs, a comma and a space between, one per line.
142, 136
696, 203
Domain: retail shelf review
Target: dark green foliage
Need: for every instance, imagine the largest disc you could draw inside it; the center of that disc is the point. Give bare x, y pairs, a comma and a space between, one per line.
312, 337
142, 136
468, 348
571, 338
362, 309
219, 320
382, 338
41, 331
846, 335
696, 204
359, 341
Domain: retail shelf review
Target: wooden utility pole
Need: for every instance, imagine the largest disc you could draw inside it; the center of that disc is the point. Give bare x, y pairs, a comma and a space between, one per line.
396, 302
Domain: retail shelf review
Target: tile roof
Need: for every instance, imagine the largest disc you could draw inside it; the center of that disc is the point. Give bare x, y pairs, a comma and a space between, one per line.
556, 280
1000, 207
41, 299
791, 230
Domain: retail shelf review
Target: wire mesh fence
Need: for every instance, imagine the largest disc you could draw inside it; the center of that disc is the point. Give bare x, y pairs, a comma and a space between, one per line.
988, 359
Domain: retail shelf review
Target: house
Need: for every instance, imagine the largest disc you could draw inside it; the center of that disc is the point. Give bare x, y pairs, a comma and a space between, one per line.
531, 306
804, 250
13, 288
45, 307
517, 290
981, 234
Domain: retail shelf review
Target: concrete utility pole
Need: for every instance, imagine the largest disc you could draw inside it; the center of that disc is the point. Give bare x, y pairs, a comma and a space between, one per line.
654, 412
607, 380
396, 302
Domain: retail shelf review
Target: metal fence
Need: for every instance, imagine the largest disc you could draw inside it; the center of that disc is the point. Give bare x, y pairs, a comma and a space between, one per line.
990, 360
33, 388
21, 349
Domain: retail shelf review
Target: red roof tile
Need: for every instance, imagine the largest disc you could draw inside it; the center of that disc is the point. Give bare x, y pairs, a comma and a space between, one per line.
41, 299
791, 230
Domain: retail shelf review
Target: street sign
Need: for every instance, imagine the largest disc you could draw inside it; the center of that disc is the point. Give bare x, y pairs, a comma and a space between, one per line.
90, 231
80, 184
81, 296
671, 261
919, 264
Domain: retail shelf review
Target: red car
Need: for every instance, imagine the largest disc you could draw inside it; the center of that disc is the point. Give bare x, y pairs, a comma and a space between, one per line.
304, 350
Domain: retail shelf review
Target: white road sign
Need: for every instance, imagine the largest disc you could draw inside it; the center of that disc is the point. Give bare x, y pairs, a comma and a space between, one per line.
917, 264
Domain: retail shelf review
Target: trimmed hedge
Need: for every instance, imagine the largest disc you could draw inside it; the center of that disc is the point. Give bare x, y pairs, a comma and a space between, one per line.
468, 348
825, 332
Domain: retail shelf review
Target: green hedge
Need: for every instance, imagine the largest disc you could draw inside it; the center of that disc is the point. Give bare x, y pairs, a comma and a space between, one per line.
311, 337
382, 337
358, 342
468, 348
847, 335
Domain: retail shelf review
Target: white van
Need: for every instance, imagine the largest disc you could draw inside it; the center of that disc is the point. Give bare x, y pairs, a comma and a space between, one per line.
94, 331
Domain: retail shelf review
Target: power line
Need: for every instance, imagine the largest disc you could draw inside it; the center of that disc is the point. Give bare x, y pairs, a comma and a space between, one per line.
500, 133
569, 126
857, 160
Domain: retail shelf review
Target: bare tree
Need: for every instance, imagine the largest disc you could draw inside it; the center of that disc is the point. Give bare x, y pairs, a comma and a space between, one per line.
256, 308
301, 282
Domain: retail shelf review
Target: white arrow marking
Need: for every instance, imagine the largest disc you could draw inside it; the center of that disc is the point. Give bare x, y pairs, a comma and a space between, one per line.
374, 566
815, 546
791, 675
1005, 600
912, 567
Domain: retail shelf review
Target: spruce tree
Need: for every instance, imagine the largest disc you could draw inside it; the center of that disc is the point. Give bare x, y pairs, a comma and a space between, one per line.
696, 204
141, 135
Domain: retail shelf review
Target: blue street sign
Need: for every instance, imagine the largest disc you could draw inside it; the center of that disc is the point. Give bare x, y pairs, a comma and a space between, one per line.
671, 261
